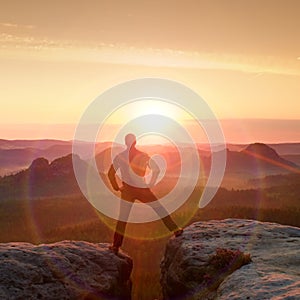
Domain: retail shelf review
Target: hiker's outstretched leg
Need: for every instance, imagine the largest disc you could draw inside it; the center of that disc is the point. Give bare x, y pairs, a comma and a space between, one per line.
147, 196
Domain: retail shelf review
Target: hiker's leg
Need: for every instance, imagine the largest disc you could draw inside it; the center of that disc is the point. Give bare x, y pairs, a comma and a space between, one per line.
125, 208
147, 196
168, 221
119, 234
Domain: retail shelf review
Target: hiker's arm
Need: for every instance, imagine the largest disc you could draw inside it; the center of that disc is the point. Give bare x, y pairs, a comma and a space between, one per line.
112, 178
155, 172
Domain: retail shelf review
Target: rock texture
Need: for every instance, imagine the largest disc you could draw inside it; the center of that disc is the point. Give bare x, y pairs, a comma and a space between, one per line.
64, 270
273, 273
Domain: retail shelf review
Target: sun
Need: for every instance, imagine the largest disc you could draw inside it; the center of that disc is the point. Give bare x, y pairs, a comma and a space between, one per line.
141, 107
138, 108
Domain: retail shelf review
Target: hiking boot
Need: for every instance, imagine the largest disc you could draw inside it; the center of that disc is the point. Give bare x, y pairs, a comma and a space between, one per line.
178, 232
114, 249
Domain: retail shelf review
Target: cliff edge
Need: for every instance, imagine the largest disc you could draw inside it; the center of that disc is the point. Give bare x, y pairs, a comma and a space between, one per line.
233, 259
63, 270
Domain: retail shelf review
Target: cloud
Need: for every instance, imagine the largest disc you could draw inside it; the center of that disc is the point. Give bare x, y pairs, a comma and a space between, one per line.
28, 47
14, 25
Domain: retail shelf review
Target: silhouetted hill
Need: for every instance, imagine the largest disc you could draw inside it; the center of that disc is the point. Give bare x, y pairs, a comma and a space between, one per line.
257, 160
267, 154
13, 160
18, 155
42, 179
262, 149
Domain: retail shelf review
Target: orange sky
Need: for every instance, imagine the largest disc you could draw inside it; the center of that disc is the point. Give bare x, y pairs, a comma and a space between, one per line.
242, 57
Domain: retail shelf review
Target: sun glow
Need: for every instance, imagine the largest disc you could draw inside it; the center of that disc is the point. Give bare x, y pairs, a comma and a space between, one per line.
141, 107
138, 108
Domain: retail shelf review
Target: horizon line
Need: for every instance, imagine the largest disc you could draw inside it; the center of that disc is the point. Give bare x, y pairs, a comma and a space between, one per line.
235, 131
148, 144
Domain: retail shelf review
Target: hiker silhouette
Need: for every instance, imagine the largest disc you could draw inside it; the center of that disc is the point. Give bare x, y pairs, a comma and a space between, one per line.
133, 164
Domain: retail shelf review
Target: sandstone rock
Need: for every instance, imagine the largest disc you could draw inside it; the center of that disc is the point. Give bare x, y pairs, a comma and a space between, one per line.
64, 270
274, 272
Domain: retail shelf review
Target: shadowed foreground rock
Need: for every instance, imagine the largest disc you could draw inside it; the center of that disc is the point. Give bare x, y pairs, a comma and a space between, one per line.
64, 270
273, 272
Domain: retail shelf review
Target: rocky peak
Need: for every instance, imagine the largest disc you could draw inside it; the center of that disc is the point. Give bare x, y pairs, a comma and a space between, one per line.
39, 164
64, 270
262, 150
63, 165
273, 271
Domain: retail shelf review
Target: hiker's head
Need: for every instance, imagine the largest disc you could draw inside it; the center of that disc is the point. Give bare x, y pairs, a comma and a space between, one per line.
130, 140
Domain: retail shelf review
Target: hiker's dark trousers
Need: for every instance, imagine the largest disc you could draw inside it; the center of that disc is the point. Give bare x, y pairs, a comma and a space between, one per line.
145, 195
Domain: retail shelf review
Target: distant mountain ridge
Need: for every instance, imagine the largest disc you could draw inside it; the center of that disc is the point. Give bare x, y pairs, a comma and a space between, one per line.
39, 144
269, 155
12, 160
18, 155
257, 160
42, 179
